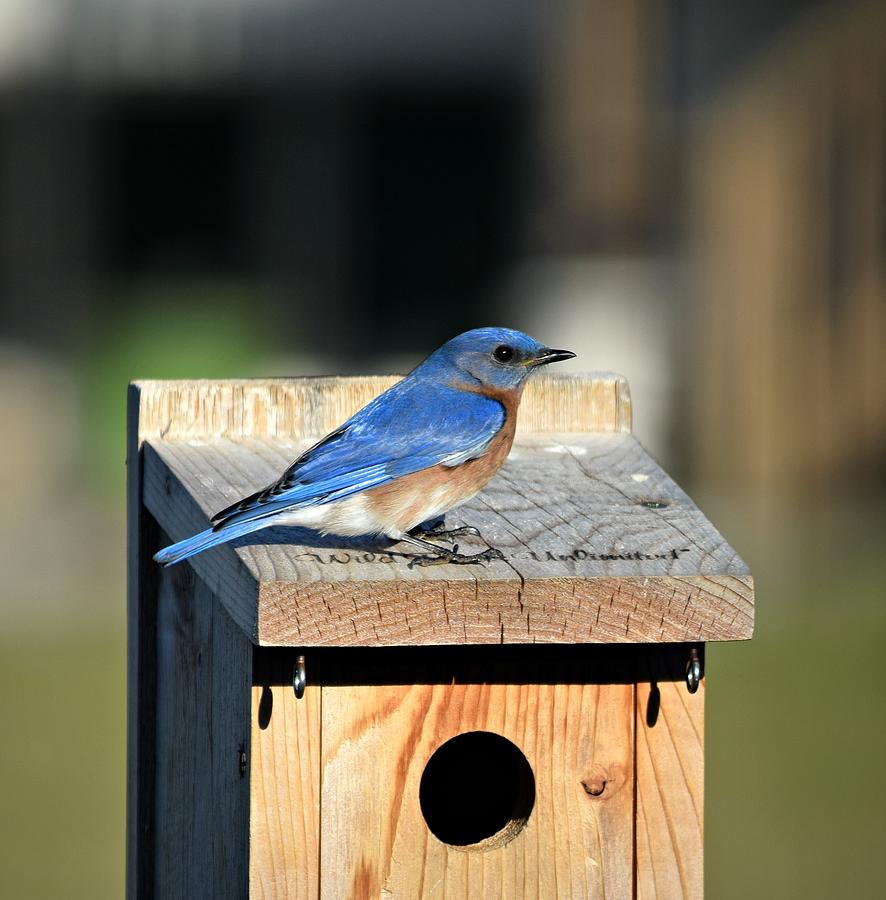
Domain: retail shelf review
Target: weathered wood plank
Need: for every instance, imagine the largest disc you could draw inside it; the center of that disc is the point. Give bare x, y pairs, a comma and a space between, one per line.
203, 676
311, 407
601, 546
141, 641
670, 792
284, 830
225, 574
577, 841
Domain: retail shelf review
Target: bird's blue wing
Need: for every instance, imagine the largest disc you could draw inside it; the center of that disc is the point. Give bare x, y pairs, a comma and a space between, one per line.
414, 425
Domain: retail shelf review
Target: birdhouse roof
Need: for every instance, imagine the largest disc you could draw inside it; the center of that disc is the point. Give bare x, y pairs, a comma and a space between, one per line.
600, 544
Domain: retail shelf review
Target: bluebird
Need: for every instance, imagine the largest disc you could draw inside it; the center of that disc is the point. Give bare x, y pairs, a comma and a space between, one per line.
423, 447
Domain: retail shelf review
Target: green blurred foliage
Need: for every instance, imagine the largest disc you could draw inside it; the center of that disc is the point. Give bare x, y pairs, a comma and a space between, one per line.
173, 329
795, 801
63, 665
63, 706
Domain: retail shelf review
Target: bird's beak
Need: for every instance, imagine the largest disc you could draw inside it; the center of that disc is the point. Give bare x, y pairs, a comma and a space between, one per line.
547, 355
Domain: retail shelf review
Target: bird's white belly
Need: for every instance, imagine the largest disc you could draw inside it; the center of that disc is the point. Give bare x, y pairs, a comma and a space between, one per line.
349, 517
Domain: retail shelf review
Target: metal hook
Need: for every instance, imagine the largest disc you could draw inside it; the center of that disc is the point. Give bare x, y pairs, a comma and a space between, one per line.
299, 678
693, 670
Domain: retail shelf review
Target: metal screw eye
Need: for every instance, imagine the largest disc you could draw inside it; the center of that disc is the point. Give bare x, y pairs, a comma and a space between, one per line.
693, 671
299, 678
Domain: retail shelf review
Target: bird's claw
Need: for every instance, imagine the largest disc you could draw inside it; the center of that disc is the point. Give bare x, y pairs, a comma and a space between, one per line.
438, 531
458, 559
491, 553
424, 561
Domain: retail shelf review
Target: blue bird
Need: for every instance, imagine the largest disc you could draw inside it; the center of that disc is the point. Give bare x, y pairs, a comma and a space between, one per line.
424, 446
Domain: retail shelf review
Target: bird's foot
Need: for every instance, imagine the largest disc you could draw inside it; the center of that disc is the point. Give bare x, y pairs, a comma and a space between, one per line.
446, 557
438, 531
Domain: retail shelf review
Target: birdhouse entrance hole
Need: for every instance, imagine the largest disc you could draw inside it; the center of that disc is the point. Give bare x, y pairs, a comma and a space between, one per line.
477, 791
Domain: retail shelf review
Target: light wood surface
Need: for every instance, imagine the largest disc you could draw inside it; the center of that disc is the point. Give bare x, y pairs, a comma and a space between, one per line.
284, 833
376, 743
612, 736
600, 544
670, 792
306, 407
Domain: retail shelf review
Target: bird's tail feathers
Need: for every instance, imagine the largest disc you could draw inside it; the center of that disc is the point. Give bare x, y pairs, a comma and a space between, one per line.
204, 540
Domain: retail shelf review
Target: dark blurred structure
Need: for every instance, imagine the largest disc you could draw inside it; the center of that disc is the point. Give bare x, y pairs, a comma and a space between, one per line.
789, 222
366, 161
691, 193
379, 174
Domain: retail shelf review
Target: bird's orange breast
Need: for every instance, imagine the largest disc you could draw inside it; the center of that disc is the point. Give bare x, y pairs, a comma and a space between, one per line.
415, 498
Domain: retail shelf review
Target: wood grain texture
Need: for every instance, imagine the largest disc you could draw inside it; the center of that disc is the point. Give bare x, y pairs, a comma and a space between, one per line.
377, 741
284, 829
670, 792
203, 695
311, 407
601, 546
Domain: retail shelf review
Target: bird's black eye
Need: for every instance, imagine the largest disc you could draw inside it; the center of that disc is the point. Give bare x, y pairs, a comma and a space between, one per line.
503, 353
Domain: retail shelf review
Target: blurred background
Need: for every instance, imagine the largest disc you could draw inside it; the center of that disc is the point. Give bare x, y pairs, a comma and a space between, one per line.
690, 192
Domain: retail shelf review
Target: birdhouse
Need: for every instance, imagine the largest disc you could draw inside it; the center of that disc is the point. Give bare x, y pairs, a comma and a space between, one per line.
316, 717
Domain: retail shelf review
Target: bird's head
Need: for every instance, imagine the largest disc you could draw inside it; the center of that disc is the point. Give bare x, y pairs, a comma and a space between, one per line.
495, 357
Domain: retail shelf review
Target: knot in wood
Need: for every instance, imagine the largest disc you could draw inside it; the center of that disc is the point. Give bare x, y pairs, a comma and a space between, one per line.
594, 788
599, 779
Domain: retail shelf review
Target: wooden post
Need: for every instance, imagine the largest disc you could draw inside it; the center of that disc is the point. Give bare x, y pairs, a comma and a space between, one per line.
434, 753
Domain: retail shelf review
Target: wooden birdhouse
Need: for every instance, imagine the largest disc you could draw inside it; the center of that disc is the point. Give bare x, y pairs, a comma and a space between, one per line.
313, 718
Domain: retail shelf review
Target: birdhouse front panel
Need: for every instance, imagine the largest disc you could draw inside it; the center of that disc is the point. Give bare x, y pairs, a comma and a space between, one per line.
454, 774
509, 808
